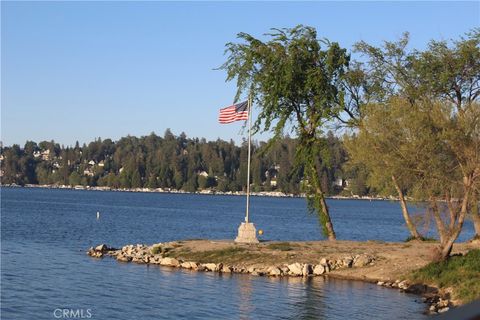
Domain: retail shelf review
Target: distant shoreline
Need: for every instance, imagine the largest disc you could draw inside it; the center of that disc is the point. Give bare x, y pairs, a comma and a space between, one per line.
275, 194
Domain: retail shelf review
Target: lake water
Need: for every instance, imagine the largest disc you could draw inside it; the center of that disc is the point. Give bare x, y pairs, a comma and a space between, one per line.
44, 268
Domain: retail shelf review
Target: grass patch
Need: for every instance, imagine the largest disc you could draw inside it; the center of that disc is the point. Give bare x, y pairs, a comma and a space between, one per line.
282, 246
229, 255
462, 273
424, 239
156, 250
160, 250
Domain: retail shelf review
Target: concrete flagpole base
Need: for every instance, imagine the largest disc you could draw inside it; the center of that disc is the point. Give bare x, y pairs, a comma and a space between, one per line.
247, 233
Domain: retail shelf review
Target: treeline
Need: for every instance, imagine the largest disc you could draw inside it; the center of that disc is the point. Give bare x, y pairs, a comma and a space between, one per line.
174, 162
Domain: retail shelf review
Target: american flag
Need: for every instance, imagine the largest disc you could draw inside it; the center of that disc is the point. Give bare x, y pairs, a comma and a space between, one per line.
233, 113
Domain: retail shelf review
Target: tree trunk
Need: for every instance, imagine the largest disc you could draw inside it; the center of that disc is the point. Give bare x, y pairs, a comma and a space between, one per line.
319, 198
447, 245
328, 222
476, 220
410, 225
442, 231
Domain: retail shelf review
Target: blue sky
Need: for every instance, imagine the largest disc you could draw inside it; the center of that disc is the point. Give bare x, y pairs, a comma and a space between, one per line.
80, 70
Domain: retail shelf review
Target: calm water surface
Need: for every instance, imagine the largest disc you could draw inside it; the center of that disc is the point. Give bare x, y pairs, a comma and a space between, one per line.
44, 235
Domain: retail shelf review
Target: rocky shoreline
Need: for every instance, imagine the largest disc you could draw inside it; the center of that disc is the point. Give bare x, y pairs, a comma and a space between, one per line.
276, 194
159, 254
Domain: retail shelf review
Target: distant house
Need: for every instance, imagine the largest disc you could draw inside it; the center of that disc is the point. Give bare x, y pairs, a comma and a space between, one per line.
92, 162
46, 154
101, 163
88, 172
272, 171
273, 182
203, 174
338, 182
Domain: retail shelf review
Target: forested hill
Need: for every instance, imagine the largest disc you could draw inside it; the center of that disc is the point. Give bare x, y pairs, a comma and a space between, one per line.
174, 162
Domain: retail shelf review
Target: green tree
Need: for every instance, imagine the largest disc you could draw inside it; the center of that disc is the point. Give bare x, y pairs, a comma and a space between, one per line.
429, 151
136, 181
191, 185
379, 146
296, 84
74, 179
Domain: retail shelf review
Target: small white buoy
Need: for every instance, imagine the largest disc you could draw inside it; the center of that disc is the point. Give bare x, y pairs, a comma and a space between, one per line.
98, 215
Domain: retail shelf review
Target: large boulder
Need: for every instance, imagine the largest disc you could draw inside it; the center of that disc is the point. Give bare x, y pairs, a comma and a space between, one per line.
189, 265
295, 269
171, 262
210, 267
124, 258
274, 271
362, 260
319, 269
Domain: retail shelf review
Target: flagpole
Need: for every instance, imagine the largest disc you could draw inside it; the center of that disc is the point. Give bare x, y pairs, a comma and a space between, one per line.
249, 105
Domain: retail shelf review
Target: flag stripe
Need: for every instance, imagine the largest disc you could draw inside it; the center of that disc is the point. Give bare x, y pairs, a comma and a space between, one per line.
233, 113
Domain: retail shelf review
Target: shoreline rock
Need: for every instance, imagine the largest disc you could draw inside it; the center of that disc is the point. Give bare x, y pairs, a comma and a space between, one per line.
157, 254
277, 194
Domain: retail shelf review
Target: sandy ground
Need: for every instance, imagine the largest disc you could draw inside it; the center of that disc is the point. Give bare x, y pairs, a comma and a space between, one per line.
393, 261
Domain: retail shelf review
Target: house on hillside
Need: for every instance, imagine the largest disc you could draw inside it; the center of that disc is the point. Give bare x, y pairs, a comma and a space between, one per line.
88, 172
45, 155
202, 173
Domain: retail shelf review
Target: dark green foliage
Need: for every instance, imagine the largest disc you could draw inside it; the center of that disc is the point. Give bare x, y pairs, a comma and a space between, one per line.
425, 239
282, 246
155, 162
460, 272
231, 254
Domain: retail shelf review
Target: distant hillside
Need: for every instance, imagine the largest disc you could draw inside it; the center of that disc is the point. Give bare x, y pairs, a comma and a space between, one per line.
174, 162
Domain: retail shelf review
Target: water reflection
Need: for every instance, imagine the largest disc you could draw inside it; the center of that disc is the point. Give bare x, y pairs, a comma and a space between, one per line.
244, 292
315, 303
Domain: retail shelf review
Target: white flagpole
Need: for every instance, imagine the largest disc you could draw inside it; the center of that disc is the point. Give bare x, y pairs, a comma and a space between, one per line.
249, 105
